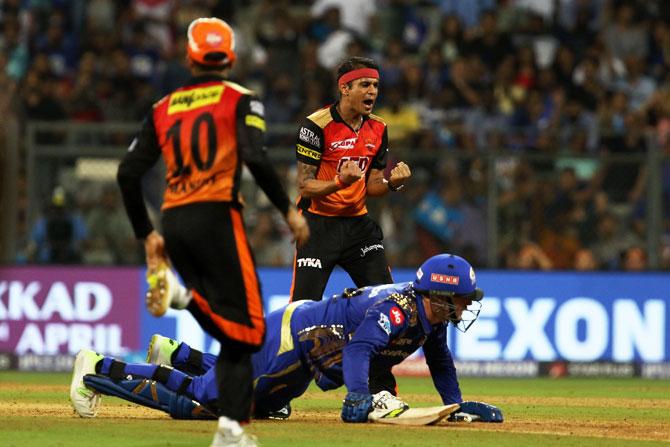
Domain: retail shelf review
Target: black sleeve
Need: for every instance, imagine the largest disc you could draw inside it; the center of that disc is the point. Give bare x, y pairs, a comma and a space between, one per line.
379, 162
309, 145
141, 156
251, 147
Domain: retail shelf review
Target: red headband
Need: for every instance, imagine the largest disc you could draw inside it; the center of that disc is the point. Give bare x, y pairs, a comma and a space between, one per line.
357, 74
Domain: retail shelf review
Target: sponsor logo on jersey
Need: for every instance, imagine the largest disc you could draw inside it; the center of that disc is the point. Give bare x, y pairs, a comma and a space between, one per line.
194, 98
348, 143
255, 121
257, 107
365, 250
396, 316
444, 279
309, 262
309, 137
307, 152
369, 143
384, 323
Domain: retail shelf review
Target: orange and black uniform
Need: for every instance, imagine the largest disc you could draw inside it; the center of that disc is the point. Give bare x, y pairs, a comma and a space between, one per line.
341, 231
204, 132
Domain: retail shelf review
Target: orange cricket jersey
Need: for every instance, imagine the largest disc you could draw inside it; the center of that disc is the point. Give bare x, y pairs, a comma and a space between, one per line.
326, 141
196, 132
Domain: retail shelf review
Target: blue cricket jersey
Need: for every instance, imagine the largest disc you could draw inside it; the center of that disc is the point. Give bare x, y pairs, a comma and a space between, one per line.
334, 342
339, 338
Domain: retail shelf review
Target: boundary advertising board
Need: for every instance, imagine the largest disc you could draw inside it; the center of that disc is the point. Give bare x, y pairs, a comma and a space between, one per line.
526, 316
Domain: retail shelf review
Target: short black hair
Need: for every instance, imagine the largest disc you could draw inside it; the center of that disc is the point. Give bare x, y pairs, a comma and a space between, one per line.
354, 63
211, 68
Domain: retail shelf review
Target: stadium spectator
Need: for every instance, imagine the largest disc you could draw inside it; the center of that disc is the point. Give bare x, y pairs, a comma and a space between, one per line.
58, 235
110, 238
600, 68
401, 118
634, 259
279, 40
450, 38
451, 222
611, 241
585, 260
355, 15
624, 35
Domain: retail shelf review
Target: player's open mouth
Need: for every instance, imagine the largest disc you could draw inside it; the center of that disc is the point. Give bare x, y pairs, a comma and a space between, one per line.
368, 103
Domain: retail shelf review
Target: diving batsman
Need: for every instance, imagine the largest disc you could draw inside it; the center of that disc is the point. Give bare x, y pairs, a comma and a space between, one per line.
333, 342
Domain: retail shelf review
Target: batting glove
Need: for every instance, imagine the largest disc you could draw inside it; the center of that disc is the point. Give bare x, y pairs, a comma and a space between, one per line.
484, 412
356, 407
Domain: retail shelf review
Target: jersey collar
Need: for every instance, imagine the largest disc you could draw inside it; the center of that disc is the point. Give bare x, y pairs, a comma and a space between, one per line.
338, 118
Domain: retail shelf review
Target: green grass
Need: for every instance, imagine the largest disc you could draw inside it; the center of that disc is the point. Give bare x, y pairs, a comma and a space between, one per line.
34, 411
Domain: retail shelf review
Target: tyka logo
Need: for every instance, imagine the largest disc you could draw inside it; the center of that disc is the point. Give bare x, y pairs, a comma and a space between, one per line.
309, 262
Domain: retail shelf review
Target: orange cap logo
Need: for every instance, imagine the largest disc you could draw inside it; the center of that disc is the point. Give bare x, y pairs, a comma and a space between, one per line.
211, 41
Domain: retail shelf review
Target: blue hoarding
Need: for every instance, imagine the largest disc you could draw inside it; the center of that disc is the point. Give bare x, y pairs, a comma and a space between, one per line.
571, 316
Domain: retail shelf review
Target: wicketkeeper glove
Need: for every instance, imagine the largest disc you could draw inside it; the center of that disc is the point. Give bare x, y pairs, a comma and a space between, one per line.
477, 411
356, 407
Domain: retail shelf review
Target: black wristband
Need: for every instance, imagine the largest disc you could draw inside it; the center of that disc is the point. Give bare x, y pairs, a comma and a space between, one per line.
393, 188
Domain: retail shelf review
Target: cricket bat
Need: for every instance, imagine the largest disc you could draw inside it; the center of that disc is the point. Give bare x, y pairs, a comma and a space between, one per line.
413, 416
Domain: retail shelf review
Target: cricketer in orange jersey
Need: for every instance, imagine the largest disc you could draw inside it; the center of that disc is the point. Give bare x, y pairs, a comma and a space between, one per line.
204, 131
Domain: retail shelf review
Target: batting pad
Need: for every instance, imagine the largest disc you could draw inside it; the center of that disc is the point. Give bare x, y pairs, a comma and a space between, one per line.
149, 393
413, 416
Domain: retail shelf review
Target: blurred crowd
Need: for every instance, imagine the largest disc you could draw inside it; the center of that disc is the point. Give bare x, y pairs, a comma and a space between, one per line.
572, 93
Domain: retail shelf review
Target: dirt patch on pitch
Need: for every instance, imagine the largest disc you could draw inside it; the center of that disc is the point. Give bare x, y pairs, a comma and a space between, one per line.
130, 411
632, 429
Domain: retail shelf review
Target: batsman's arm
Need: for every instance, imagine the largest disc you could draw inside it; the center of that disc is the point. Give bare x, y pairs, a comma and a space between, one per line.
382, 323
441, 366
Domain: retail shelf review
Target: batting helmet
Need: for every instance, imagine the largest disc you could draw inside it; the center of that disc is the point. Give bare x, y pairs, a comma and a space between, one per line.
211, 42
448, 275
444, 277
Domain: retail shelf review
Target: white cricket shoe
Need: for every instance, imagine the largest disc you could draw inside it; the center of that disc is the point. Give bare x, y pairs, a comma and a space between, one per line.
164, 291
384, 400
222, 439
84, 400
161, 349
230, 434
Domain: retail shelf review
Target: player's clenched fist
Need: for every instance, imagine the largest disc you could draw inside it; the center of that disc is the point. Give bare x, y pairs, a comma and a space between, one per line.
399, 175
350, 172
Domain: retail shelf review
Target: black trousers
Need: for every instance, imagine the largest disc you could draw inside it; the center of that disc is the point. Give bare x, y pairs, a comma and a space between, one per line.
207, 245
355, 244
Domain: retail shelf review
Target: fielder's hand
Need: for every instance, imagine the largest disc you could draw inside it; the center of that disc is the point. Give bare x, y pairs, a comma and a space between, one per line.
481, 411
356, 407
399, 175
350, 172
298, 225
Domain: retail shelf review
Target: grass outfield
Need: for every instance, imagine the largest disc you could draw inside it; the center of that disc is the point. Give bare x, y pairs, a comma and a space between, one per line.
35, 411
